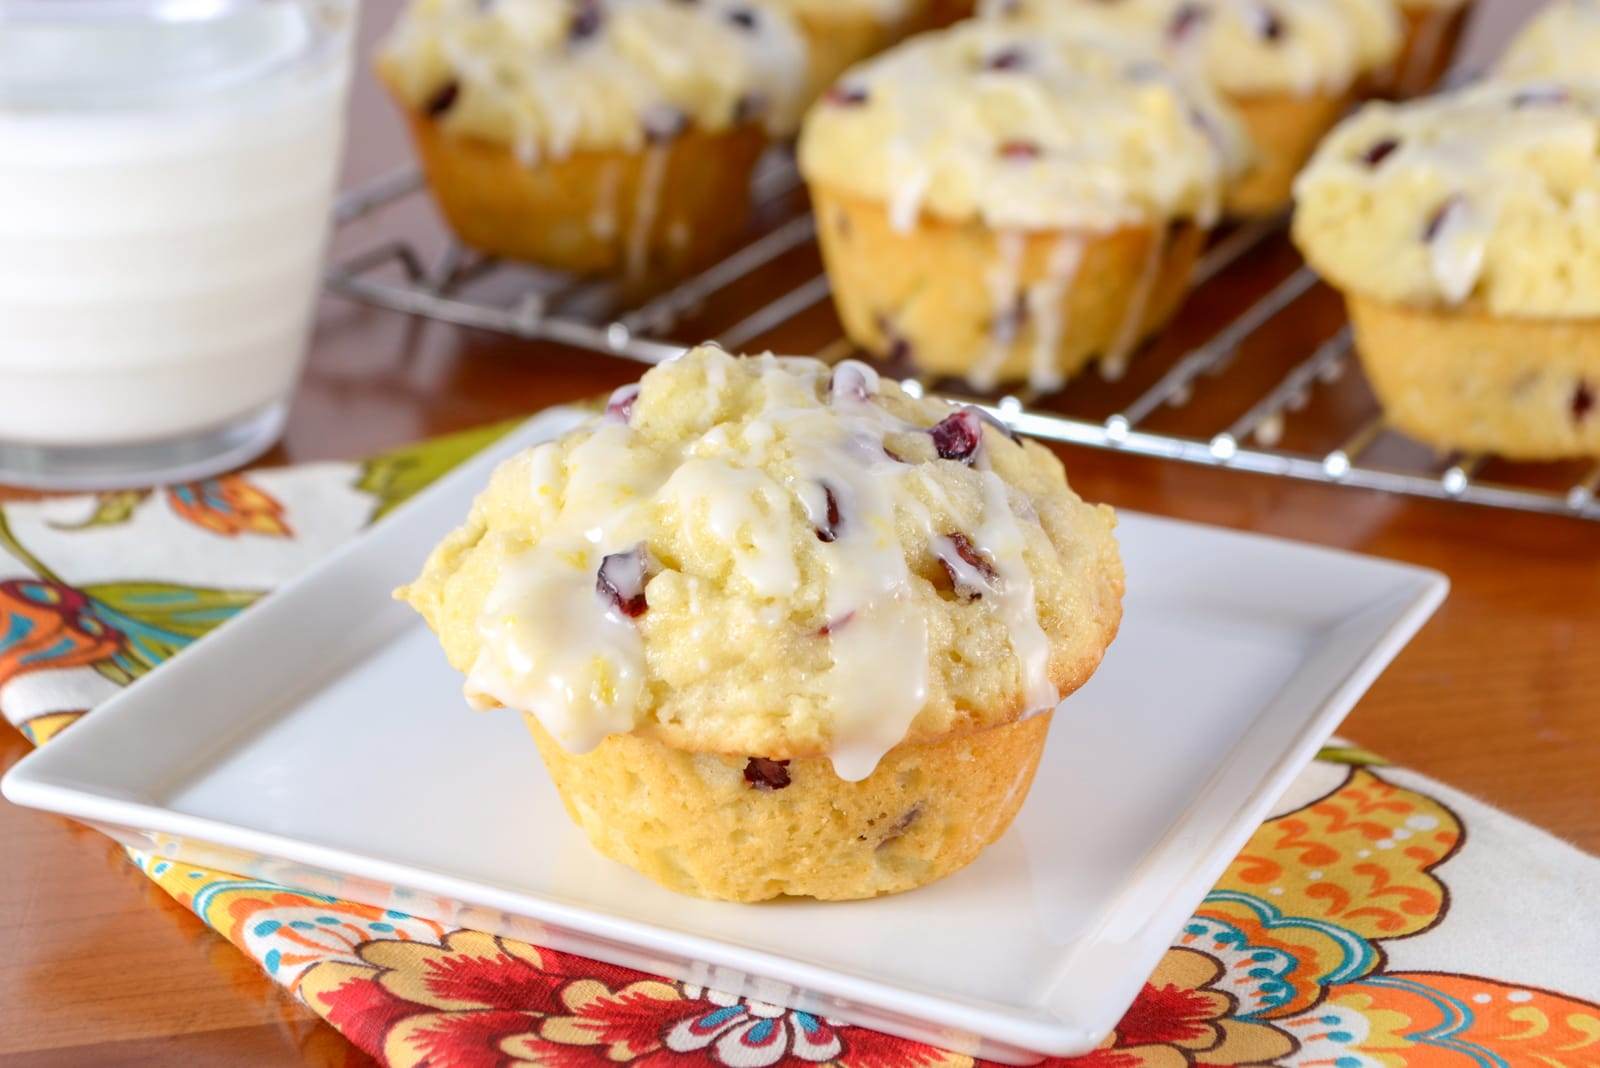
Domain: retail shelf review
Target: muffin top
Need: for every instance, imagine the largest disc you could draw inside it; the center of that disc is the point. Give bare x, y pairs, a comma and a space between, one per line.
1024, 127
1242, 47
768, 557
1561, 41
1489, 196
552, 77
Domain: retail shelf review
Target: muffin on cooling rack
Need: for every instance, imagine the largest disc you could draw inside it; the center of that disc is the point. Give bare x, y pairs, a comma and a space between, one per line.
779, 628
594, 136
1289, 68
1464, 231
1433, 28
1561, 41
839, 33
1004, 203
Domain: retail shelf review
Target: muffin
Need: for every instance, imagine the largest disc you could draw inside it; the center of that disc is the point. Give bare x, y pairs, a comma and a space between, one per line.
1003, 202
1561, 41
594, 136
1464, 231
841, 33
1289, 68
778, 629
1433, 28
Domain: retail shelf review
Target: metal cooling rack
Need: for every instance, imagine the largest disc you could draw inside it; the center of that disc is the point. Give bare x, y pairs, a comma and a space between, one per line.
456, 286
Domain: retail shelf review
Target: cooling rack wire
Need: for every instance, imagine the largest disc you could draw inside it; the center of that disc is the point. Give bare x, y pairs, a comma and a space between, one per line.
1180, 401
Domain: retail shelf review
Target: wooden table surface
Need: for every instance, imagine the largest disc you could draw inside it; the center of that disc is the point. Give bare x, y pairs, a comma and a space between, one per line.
1499, 695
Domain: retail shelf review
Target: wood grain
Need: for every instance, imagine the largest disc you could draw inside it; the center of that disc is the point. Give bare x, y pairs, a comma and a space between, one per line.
1497, 696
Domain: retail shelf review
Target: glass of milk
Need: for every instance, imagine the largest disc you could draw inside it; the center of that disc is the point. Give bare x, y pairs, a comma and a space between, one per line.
166, 176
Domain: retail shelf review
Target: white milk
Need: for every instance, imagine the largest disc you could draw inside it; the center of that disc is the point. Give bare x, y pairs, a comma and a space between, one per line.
165, 192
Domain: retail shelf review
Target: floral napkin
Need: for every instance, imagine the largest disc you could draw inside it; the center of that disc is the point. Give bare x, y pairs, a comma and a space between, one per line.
1377, 919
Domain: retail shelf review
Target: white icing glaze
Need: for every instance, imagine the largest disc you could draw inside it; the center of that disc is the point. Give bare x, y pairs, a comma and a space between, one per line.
966, 574
1048, 311
746, 510
1457, 250
852, 378
556, 645
1114, 363
872, 622
1003, 280
1000, 538
999, 541
603, 219
552, 77
905, 202
1243, 47
652, 173
716, 378
1040, 306
1025, 128
553, 646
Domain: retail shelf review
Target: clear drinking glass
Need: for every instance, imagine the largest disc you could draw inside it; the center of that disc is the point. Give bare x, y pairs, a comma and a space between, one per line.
166, 175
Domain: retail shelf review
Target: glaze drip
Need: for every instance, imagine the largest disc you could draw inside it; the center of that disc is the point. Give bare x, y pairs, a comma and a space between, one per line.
1006, 296
1114, 364
1050, 312
652, 175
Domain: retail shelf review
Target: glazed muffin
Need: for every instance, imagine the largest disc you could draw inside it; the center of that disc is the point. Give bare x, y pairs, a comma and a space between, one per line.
594, 136
1005, 203
779, 628
1561, 41
1433, 29
1289, 68
1464, 231
841, 33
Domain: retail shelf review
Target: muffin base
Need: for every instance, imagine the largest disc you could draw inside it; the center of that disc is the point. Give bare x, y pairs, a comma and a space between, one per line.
942, 13
840, 38
1285, 129
1464, 379
650, 214
691, 822
929, 296
1427, 49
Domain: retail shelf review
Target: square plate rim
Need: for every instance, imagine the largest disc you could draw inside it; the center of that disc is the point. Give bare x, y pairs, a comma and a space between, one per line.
31, 783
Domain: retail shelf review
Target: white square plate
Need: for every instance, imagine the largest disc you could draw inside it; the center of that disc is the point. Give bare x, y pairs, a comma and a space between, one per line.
321, 740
